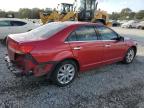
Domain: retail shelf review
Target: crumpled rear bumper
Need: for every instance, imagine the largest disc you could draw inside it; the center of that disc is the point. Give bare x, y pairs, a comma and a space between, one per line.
17, 71
29, 67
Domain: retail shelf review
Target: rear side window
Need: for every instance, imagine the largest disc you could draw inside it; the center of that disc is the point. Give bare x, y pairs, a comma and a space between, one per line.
72, 37
18, 23
106, 33
84, 33
4, 23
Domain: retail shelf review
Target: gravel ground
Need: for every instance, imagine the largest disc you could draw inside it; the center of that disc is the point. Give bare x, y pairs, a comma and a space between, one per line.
112, 86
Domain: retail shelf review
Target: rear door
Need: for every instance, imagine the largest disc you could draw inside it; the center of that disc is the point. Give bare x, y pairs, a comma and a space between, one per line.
113, 49
86, 46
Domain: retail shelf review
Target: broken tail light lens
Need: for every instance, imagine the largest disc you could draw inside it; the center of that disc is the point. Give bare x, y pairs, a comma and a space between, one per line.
25, 49
20, 48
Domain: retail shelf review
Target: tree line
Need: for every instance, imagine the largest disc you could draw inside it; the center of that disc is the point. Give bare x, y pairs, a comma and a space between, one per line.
22, 13
127, 14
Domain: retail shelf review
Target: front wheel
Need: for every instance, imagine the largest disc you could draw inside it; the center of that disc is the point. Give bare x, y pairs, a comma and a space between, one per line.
64, 73
129, 56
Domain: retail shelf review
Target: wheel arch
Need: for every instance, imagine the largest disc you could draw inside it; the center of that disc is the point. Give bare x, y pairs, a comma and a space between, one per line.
135, 49
72, 59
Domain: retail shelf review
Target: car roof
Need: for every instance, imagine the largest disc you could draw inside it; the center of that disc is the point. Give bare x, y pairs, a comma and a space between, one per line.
70, 23
13, 19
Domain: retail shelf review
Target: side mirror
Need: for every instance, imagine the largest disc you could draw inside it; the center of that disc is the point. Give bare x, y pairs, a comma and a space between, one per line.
120, 38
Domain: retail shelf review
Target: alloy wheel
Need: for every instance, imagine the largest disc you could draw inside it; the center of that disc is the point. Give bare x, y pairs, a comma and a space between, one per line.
66, 73
130, 56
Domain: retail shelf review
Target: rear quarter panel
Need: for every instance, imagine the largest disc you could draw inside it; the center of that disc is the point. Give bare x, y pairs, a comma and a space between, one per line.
54, 48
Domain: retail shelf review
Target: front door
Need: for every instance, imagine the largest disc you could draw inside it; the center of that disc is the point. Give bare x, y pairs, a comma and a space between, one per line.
113, 49
86, 46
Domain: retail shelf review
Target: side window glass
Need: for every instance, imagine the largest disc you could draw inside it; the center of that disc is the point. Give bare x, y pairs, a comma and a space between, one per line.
17, 23
106, 33
86, 33
4, 23
72, 37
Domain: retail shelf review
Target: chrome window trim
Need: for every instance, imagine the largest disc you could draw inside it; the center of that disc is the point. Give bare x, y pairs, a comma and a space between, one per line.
90, 41
97, 35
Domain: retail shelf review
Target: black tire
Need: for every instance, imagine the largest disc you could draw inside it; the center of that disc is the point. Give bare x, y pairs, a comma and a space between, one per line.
29, 30
130, 26
128, 60
139, 27
54, 76
4, 41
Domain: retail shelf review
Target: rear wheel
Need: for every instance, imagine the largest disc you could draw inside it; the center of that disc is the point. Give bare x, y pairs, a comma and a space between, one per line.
129, 56
64, 73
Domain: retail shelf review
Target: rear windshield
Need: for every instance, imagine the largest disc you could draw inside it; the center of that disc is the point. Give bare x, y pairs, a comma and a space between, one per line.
47, 30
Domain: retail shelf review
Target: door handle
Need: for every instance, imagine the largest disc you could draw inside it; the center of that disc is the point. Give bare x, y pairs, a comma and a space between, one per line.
107, 45
77, 48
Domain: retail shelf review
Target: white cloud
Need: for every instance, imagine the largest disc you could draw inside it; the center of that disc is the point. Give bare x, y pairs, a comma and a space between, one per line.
107, 5
16, 4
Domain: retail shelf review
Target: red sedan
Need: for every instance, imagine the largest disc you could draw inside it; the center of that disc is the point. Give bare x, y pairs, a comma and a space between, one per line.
60, 50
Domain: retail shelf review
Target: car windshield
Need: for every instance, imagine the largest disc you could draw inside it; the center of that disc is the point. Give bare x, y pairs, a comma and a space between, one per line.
47, 30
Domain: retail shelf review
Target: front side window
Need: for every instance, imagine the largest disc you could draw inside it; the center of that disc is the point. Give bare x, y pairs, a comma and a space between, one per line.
84, 33
4, 23
17, 23
106, 33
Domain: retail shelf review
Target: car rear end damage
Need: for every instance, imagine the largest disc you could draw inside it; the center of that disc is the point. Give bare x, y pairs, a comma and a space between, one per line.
21, 62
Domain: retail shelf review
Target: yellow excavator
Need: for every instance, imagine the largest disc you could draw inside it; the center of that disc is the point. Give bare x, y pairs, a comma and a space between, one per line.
64, 12
87, 11
102, 17
81, 10
49, 16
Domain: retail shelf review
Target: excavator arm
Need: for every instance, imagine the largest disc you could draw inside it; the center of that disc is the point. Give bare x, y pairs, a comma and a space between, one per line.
70, 16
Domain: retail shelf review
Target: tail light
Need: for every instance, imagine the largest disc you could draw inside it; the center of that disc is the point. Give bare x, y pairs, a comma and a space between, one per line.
26, 49
20, 48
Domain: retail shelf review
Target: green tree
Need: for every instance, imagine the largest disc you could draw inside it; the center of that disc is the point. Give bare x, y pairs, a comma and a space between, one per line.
114, 16
125, 13
140, 15
35, 13
2, 13
29, 13
132, 15
24, 13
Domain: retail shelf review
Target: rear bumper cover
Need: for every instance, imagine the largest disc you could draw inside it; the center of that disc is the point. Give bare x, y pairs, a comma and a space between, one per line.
31, 67
18, 72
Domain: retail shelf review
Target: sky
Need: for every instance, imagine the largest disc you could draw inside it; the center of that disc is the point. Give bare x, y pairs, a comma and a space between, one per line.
107, 5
